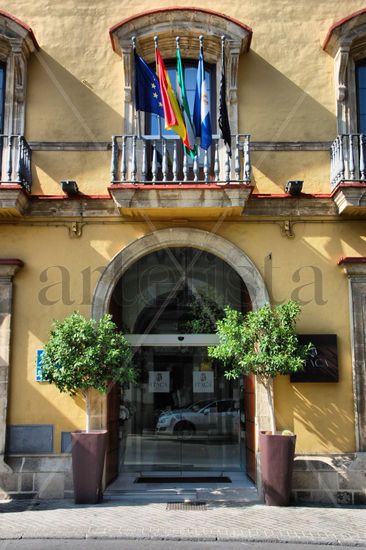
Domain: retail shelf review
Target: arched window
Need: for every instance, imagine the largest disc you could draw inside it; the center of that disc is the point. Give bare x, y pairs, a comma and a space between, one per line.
189, 24
346, 43
17, 41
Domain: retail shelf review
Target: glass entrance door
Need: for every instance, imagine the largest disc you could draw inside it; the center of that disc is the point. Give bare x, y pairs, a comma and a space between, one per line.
183, 414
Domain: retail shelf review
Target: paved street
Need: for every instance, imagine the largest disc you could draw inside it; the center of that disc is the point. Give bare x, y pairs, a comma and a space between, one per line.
218, 521
153, 545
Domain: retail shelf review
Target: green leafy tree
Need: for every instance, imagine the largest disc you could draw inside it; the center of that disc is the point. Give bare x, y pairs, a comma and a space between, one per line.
262, 342
82, 354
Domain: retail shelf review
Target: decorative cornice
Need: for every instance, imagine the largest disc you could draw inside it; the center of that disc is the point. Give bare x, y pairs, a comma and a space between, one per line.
351, 260
134, 22
8, 268
354, 268
339, 28
19, 23
11, 261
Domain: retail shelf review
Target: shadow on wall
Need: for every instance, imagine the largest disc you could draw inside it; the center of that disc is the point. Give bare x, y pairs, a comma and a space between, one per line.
316, 408
273, 108
60, 107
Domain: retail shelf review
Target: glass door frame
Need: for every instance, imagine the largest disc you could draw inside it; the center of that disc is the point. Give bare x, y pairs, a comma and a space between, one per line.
183, 340
172, 340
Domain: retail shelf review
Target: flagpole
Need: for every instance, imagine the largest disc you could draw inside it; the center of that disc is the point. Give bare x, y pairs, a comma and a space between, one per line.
156, 39
133, 39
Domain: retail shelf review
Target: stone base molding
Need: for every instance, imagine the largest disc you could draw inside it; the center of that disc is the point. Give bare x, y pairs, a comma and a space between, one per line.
330, 479
8, 268
37, 476
337, 479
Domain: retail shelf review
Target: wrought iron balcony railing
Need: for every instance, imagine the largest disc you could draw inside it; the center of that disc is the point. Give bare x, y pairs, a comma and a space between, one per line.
161, 160
15, 161
348, 159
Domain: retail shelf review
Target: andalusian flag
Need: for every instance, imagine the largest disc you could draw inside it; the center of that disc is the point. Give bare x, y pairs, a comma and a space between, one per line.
172, 114
183, 102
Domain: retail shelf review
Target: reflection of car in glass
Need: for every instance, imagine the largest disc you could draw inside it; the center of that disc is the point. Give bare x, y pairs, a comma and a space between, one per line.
219, 417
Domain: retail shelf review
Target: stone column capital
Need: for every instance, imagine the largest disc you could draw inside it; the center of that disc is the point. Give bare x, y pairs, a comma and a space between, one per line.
354, 267
9, 267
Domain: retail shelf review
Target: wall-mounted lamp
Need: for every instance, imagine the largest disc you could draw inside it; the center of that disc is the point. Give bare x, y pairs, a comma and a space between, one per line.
294, 187
70, 187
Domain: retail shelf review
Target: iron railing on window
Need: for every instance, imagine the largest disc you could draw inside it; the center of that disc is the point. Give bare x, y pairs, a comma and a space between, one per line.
348, 159
15, 158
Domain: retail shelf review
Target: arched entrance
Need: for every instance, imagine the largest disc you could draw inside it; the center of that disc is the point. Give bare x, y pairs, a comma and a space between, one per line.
158, 286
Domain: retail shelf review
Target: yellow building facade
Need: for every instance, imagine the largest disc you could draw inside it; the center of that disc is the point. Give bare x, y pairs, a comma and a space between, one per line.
295, 104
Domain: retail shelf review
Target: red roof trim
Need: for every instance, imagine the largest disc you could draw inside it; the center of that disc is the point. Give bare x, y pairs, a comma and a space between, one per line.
22, 24
339, 24
181, 8
351, 260
11, 261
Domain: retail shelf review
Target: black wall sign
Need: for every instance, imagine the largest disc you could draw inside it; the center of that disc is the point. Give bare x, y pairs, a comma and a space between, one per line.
322, 363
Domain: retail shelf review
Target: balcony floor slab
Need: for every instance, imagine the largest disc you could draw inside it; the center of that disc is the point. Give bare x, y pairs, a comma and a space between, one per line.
184, 201
13, 200
350, 199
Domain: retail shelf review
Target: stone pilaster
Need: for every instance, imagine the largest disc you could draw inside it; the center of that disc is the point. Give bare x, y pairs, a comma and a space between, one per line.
8, 268
355, 269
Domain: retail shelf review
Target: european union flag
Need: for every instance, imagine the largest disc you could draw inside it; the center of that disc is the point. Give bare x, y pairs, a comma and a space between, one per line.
147, 88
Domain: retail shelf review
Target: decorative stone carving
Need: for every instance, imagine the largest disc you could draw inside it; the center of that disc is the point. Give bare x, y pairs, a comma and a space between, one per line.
341, 62
8, 268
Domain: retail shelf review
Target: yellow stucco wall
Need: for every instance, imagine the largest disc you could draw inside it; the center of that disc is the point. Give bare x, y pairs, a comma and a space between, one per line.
285, 84
321, 414
286, 93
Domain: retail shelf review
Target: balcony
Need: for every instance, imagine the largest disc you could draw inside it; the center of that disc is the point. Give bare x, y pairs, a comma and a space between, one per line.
348, 174
152, 175
15, 174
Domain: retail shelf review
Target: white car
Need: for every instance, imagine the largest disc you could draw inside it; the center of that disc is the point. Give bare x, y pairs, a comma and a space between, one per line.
209, 417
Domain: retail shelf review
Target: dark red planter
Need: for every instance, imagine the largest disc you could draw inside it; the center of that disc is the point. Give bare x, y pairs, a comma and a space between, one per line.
277, 458
88, 455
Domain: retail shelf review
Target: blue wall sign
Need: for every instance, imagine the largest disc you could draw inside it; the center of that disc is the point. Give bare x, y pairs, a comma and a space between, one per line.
39, 366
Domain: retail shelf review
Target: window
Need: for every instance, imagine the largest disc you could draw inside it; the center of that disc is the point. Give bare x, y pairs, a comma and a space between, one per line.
188, 23
2, 96
361, 96
16, 43
190, 74
346, 43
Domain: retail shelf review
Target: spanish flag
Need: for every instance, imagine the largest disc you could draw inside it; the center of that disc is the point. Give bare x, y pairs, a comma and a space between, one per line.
172, 113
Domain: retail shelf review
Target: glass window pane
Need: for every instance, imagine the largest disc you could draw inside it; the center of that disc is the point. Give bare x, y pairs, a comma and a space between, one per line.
2, 96
190, 75
179, 290
361, 76
362, 127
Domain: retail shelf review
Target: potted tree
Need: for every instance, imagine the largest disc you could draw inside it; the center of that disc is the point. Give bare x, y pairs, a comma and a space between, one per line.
264, 342
83, 355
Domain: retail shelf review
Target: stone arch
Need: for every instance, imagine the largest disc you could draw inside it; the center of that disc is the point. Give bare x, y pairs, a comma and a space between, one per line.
174, 237
164, 238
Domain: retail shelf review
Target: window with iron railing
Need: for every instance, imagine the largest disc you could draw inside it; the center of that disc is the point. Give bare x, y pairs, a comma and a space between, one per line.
154, 126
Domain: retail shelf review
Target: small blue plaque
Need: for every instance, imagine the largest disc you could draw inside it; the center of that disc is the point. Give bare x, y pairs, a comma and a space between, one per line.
39, 377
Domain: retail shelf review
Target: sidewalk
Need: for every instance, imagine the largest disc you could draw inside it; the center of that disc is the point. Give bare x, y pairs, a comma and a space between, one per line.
223, 521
